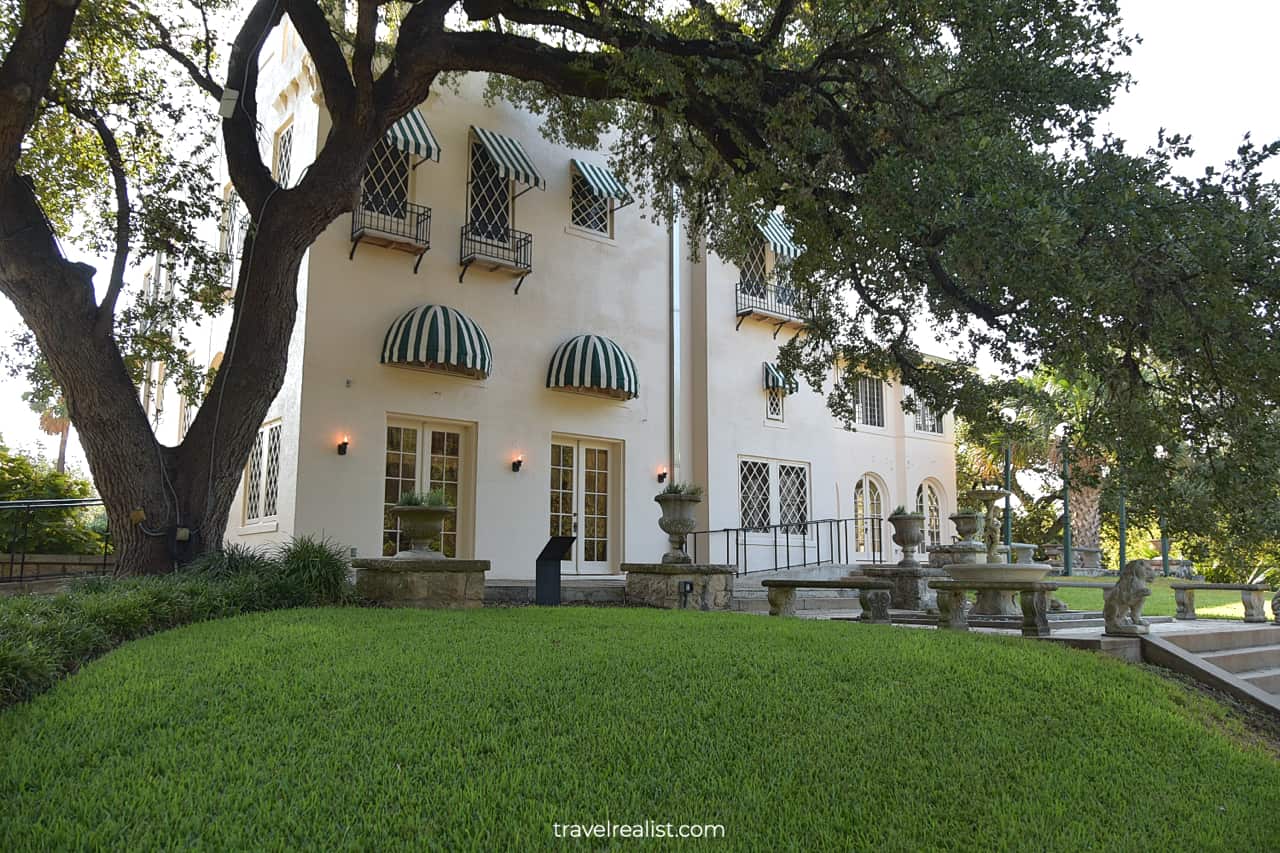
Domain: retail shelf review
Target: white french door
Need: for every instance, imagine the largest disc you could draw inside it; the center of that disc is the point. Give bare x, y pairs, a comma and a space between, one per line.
584, 501
420, 457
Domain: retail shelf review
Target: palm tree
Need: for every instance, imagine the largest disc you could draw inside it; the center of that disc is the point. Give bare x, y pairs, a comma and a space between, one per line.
54, 421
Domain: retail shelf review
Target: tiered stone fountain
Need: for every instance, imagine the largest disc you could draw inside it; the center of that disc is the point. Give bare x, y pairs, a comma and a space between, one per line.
987, 560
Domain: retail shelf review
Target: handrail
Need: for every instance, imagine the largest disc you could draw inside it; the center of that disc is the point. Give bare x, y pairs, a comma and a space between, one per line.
803, 536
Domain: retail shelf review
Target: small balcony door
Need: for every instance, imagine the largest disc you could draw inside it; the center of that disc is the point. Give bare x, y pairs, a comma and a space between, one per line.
585, 501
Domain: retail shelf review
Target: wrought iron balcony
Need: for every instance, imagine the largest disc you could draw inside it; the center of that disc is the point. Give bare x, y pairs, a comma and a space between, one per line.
393, 224
497, 247
775, 299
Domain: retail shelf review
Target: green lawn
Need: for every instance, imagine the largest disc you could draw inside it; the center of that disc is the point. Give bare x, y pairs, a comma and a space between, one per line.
1211, 604
375, 729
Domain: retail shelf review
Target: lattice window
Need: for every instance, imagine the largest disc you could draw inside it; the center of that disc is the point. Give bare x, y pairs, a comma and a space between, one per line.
928, 420
588, 210
284, 156
793, 497
386, 181
446, 474
400, 476
774, 403
929, 505
271, 484
595, 508
753, 493
868, 509
253, 482
234, 227
754, 270
489, 201
870, 402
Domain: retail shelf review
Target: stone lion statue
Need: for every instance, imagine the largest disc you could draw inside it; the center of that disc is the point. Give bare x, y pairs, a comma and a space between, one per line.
1122, 604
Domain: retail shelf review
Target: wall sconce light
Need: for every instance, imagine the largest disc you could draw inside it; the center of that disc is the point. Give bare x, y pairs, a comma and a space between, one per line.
517, 462
662, 475
342, 445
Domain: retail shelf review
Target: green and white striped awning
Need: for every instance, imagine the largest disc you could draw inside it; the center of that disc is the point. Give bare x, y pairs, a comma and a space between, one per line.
509, 155
602, 182
779, 236
595, 363
411, 134
438, 338
773, 378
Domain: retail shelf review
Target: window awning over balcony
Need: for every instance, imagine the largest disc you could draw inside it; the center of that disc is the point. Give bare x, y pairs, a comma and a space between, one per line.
603, 183
594, 363
510, 158
774, 378
779, 236
411, 134
438, 338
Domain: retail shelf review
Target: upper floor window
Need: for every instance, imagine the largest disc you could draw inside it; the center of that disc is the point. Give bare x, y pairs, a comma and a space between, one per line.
928, 420
775, 403
489, 199
869, 402
284, 155
233, 229
587, 209
262, 475
386, 181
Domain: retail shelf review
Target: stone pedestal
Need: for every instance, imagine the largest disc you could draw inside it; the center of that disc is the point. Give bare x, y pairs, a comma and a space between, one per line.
433, 583
1085, 562
662, 585
910, 585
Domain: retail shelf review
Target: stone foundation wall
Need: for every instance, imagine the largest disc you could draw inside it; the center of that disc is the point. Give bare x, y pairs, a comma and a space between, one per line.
658, 585
450, 584
45, 565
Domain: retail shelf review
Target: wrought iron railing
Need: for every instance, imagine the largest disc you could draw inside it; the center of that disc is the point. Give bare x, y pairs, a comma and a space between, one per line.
828, 541
16, 525
402, 219
776, 297
496, 242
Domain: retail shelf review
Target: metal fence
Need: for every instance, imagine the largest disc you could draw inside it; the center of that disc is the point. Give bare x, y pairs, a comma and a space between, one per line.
497, 242
406, 220
771, 297
828, 541
19, 520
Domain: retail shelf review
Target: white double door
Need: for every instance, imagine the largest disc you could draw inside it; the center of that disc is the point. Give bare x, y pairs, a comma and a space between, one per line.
584, 501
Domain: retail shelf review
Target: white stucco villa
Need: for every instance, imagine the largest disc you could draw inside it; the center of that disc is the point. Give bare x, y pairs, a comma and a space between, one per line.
497, 318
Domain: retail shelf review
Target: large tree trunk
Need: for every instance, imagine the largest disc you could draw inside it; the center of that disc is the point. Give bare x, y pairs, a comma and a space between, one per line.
1086, 516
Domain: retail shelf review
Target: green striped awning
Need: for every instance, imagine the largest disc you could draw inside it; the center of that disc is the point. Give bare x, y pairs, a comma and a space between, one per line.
779, 235
602, 182
411, 134
438, 338
773, 378
595, 363
509, 155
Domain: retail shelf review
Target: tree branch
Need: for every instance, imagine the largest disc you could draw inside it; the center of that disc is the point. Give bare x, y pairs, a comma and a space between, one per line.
250, 175
331, 65
27, 70
164, 43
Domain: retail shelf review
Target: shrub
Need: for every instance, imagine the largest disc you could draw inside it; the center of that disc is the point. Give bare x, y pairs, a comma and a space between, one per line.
45, 637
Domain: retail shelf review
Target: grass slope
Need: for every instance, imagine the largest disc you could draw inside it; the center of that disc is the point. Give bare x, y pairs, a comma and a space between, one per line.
1211, 604
369, 729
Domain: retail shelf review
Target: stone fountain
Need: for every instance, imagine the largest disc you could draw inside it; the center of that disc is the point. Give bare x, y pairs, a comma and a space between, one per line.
988, 560
910, 579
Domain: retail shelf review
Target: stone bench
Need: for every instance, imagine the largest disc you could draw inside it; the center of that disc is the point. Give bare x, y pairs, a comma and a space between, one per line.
873, 595
1033, 596
1251, 594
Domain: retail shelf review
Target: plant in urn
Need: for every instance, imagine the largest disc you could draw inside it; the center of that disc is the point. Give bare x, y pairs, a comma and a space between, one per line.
678, 501
908, 533
421, 519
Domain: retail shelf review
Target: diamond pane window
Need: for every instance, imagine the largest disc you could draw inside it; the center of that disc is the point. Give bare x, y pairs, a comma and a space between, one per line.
253, 482
284, 156
489, 202
753, 493
386, 181
793, 497
588, 210
753, 272
271, 484
870, 402
774, 403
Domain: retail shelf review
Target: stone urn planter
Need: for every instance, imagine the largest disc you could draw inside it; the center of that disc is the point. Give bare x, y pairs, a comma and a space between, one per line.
421, 524
968, 524
677, 522
908, 533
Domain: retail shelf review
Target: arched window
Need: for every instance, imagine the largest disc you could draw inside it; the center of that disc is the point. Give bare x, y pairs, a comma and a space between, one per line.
929, 504
868, 513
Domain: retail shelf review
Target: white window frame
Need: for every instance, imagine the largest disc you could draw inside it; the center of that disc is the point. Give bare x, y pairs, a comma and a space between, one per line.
261, 487
474, 143
579, 186
775, 405
869, 527
773, 491
862, 412
283, 151
932, 520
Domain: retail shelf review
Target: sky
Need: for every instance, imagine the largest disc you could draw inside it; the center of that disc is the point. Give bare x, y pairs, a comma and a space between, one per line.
1206, 70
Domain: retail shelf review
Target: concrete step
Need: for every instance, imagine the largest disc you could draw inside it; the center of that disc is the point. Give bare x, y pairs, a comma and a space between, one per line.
1209, 640
1265, 679
603, 589
1240, 660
